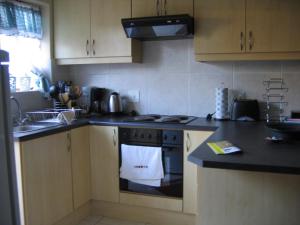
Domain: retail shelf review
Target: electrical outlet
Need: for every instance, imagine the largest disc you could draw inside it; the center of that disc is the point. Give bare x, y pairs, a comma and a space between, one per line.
134, 96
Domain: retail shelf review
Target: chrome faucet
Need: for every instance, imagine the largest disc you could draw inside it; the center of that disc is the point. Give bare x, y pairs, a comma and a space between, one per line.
19, 119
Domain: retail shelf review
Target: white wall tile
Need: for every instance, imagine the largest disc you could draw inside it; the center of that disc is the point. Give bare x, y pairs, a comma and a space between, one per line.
171, 82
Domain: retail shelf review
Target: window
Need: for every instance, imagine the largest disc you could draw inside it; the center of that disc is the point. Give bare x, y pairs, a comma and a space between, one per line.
20, 35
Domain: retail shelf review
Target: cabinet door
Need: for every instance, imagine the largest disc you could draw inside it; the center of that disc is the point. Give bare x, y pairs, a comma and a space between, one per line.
80, 142
47, 179
273, 25
108, 36
219, 26
71, 28
104, 163
192, 139
173, 7
144, 8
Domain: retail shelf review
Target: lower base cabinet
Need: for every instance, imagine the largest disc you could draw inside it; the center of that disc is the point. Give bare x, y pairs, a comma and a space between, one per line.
104, 163
81, 170
45, 179
192, 139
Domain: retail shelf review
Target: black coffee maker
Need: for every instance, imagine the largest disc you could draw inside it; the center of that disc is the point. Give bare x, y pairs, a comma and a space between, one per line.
97, 100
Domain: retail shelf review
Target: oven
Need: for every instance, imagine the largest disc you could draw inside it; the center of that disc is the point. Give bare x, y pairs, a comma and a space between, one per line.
171, 143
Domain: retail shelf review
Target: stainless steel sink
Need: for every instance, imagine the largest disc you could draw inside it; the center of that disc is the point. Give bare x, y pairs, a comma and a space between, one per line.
33, 127
28, 128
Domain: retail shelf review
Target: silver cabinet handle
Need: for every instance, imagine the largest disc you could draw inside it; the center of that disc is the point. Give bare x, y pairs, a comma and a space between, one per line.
251, 40
242, 41
157, 7
87, 47
165, 6
115, 138
93, 46
69, 141
188, 142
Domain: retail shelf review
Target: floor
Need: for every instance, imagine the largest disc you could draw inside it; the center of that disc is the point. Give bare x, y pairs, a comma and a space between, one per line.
98, 220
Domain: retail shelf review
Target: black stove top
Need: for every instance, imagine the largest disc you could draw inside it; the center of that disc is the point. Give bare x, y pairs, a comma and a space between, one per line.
154, 118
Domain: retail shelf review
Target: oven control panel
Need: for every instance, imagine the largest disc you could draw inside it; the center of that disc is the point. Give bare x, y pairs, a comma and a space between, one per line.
150, 136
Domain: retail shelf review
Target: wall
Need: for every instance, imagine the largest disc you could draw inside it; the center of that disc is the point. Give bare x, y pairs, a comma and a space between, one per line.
171, 82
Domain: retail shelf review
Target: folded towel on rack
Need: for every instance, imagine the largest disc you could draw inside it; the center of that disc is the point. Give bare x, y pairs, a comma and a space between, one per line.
66, 116
142, 164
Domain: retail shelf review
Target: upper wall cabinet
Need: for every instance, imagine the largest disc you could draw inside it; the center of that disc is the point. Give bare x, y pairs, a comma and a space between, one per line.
247, 30
273, 26
220, 26
91, 32
144, 8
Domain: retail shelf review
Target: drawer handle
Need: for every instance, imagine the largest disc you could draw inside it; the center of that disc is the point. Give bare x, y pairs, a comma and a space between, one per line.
114, 138
93, 47
87, 47
188, 142
165, 7
242, 41
251, 40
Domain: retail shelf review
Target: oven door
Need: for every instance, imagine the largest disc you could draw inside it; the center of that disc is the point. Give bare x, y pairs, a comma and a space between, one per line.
171, 185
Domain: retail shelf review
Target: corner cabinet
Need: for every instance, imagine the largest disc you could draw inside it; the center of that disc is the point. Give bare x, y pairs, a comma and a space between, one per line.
192, 140
87, 32
44, 179
53, 176
81, 171
144, 8
104, 163
247, 30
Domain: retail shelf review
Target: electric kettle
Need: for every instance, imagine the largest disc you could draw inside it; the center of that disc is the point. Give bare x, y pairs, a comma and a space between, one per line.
115, 103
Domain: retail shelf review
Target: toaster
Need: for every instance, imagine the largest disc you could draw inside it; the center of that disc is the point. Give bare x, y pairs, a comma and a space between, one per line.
245, 110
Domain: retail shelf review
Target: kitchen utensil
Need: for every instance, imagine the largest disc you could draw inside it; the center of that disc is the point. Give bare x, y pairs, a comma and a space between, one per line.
245, 110
53, 92
115, 103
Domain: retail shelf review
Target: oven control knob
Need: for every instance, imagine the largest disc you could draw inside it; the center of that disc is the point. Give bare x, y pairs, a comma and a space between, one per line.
135, 135
174, 138
142, 135
149, 136
165, 137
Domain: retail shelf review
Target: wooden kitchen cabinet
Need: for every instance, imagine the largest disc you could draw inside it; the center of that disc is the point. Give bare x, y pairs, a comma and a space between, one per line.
71, 29
45, 179
108, 36
192, 139
173, 7
87, 32
219, 26
104, 163
247, 30
144, 8
273, 26
80, 145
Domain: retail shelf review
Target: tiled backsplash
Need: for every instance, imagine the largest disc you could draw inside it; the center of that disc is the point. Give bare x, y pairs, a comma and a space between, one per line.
171, 82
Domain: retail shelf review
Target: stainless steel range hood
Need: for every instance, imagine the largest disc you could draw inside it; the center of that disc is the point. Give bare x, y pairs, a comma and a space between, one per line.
159, 27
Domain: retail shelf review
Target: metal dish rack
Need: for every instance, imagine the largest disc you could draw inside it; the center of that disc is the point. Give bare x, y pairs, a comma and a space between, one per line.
49, 114
275, 98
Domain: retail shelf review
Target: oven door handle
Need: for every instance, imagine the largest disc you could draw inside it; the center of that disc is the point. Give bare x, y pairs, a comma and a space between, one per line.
188, 142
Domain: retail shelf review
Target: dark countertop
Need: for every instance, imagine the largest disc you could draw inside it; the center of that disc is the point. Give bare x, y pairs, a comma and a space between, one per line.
257, 155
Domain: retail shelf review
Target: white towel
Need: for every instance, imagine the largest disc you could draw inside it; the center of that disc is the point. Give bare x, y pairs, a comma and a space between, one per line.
66, 116
141, 164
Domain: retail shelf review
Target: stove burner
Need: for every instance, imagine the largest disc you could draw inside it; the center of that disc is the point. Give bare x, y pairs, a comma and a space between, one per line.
144, 118
172, 119
181, 117
156, 116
